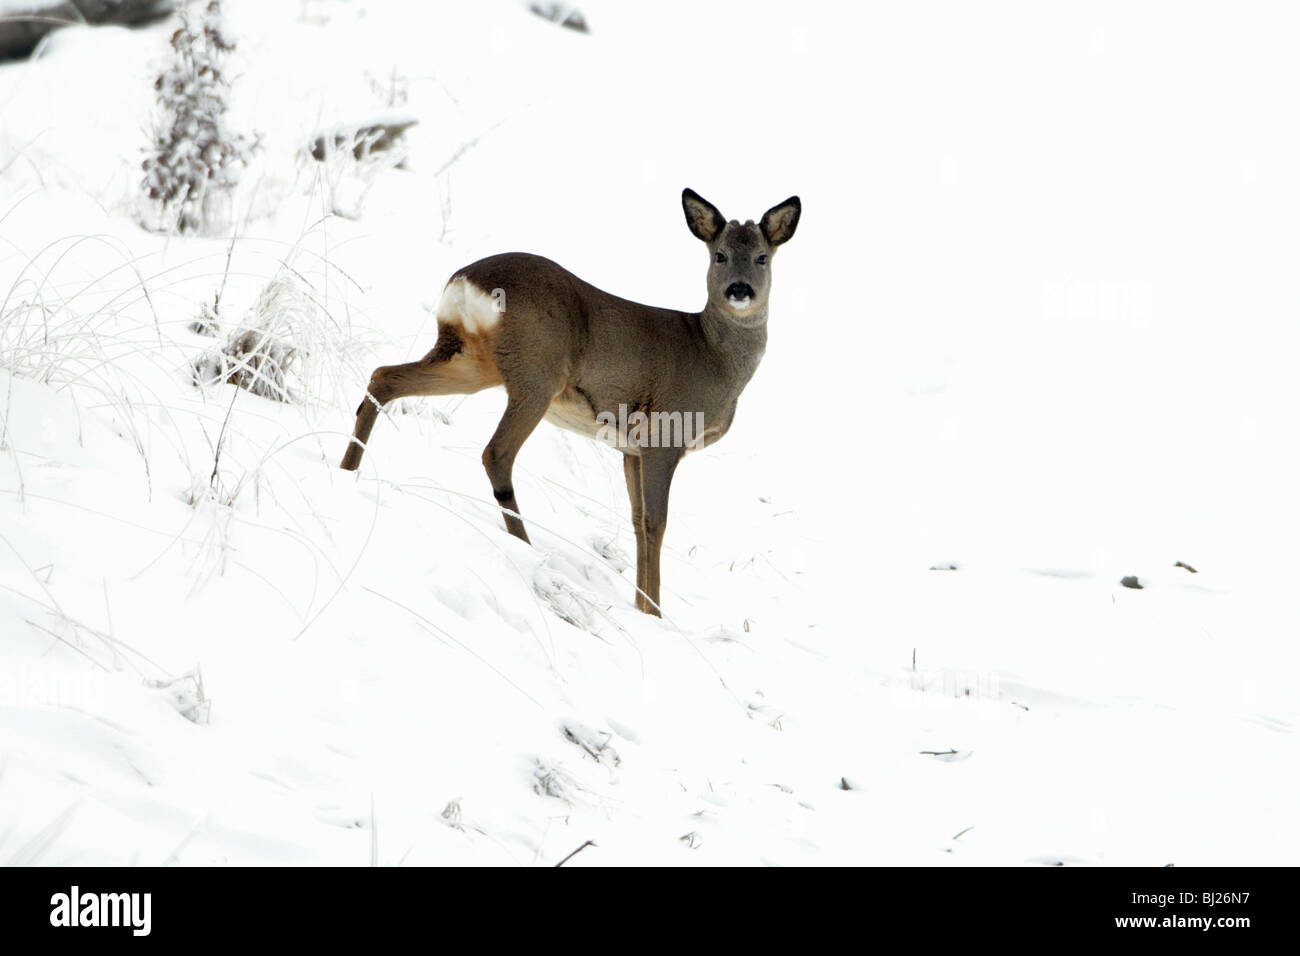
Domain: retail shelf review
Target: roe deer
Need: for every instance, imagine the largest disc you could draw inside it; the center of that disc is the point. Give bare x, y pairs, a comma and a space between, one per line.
584, 359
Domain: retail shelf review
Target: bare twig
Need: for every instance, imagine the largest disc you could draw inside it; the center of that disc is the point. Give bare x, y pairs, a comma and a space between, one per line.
575, 853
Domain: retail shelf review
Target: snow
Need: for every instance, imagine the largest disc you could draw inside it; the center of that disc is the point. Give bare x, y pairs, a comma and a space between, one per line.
1036, 330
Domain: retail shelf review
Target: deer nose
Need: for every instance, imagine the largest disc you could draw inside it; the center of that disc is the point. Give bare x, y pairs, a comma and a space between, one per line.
740, 290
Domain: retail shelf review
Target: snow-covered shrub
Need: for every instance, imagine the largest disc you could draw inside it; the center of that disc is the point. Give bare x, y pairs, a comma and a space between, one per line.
195, 156
351, 158
288, 348
363, 139
253, 360
260, 356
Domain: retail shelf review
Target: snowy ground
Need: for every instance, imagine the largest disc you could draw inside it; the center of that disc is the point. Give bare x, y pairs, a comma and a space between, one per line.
1039, 322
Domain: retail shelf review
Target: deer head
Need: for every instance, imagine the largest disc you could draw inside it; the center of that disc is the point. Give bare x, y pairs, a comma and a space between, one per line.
741, 254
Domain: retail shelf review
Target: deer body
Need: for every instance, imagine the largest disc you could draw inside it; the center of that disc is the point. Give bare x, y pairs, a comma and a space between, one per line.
589, 361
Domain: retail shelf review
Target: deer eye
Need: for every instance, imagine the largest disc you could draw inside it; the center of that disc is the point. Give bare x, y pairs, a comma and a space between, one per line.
720, 257
761, 260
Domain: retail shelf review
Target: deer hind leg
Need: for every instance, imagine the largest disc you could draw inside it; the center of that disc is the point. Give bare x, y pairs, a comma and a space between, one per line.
525, 407
649, 476
454, 367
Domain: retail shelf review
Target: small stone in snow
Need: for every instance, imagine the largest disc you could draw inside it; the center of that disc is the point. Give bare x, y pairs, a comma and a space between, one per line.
1131, 581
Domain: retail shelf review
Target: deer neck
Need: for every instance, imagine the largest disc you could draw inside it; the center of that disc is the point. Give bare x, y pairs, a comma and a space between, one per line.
738, 348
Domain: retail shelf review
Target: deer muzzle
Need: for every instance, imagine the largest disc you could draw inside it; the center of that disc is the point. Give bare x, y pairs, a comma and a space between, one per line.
739, 293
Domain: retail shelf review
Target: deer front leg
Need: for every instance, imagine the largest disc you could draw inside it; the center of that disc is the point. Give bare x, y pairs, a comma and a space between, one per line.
654, 475
632, 472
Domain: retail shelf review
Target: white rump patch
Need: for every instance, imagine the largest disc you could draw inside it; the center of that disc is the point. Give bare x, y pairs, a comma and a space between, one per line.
465, 305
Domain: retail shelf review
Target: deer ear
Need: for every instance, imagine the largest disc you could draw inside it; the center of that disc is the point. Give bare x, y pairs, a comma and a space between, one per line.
779, 222
702, 216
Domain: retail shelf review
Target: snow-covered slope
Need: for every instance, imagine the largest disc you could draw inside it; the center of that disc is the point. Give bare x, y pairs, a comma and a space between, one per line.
1037, 327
